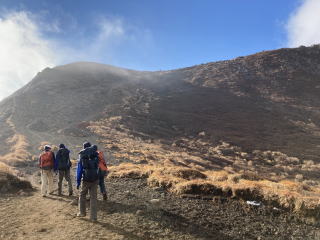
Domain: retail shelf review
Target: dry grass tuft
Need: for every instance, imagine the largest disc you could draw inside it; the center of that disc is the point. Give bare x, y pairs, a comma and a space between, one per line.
198, 187
43, 144
19, 151
188, 174
9, 182
4, 168
128, 170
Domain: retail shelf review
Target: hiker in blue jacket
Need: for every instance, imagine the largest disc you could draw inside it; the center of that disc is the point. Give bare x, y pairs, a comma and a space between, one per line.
87, 178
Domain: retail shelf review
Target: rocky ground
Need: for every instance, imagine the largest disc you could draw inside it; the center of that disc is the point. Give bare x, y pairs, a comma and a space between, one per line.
135, 211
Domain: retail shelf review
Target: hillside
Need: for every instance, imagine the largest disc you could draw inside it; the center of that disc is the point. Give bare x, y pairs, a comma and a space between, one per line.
266, 101
242, 129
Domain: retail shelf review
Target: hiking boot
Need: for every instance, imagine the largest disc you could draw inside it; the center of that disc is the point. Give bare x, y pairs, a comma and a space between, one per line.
105, 197
81, 215
70, 193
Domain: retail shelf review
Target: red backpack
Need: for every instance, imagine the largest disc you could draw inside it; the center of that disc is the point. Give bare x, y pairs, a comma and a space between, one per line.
46, 160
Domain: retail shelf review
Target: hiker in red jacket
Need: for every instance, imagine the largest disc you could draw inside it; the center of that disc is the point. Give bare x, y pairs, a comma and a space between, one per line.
103, 171
46, 164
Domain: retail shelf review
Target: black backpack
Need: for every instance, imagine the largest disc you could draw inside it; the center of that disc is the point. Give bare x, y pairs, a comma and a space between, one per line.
90, 163
63, 159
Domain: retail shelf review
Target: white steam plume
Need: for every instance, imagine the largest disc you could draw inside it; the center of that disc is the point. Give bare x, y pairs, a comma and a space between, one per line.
23, 51
303, 26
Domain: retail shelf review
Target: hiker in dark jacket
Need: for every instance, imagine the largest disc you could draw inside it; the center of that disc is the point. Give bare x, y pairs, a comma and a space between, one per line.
62, 165
87, 178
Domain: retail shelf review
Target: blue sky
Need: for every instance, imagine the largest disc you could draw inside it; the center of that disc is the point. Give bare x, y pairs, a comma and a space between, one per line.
150, 34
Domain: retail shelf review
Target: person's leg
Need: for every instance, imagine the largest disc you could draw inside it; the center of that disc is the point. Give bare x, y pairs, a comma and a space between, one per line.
61, 174
68, 178
43, 183
82, 199
93, 200
50, 181
102, 185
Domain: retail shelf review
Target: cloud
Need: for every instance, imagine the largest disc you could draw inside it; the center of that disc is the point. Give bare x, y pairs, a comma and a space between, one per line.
110, 34
118, 42
304, 24
31, 42
23, 51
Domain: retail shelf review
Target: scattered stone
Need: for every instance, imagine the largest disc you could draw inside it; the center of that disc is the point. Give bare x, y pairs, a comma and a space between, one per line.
155, 201
21, 193
74, 202
139, 212
254, 203
203, 133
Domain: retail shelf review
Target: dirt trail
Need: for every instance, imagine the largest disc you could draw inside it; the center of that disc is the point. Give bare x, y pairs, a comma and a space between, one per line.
34, 217
129, 214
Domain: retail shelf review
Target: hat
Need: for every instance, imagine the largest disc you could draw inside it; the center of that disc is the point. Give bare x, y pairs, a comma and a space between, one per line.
62, 145
86, 145
47, 147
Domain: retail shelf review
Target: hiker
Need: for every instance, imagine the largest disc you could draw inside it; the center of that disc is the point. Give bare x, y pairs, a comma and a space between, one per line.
87, 177
103, 170
46, 164
63, 165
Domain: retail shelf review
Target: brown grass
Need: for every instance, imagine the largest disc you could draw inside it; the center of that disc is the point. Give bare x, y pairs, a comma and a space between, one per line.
9, 182
43, 144
289, 194
18, 152
194, 166
4, 168
19, 147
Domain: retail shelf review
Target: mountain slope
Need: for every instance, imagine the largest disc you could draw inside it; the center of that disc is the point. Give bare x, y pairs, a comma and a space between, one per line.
267, 101
246, 128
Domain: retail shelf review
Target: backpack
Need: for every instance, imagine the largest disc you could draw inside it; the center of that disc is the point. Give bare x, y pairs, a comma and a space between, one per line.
90, 163
102, 162
63, 159
46, 160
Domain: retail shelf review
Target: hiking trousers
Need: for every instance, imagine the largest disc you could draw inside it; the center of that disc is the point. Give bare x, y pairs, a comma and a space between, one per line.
46, 182
66, 175
102, 185
90, 187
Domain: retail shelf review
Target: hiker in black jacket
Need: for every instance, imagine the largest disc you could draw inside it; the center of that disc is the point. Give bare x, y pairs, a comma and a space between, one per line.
63, 165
